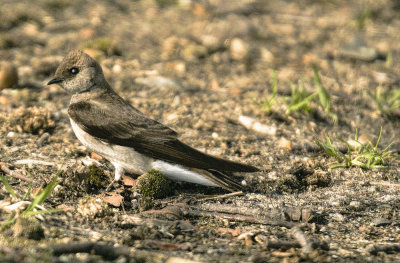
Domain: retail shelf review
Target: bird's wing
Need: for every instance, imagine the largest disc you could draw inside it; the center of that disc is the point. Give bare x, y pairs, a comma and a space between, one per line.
116, 122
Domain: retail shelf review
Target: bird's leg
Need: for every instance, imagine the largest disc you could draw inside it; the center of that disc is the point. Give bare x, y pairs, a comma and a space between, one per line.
119, 172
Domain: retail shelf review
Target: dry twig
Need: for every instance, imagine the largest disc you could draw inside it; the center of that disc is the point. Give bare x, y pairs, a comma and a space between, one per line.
107, 251
241, 218
387, 248
220, 197
40, 142
15, 174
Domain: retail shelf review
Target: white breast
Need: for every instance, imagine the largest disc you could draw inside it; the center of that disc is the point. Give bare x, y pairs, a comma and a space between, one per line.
134, 162
125, 157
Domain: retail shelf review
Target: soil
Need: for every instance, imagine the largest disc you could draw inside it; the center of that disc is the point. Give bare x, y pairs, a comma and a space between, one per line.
202, 67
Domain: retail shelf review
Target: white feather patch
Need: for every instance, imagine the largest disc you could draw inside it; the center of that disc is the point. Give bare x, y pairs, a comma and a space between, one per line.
177, 172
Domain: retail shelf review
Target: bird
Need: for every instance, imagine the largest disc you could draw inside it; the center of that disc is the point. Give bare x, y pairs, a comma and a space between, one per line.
110, 126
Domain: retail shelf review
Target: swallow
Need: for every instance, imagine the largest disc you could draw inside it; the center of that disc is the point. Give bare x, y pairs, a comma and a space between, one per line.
110, 126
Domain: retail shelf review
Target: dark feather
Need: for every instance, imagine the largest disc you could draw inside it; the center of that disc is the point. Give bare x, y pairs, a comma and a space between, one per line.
113, 120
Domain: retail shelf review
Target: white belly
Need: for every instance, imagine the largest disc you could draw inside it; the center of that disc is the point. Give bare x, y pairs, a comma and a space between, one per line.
131, 161
125, 157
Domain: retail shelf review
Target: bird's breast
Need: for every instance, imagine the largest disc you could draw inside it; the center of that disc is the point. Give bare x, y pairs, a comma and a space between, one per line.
126, 157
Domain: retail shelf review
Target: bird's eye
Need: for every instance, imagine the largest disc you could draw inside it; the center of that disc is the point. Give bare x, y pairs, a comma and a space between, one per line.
74, 71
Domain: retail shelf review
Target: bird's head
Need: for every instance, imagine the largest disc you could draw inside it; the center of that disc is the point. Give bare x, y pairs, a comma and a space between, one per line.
78, 72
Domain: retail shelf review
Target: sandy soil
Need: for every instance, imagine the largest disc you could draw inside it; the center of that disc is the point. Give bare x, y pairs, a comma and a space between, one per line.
201, 67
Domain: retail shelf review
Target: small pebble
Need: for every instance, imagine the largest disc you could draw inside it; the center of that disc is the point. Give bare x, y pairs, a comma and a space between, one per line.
8, 75
157, 82
355, 204
238, 49
381, 222
337, 217
284, 143
256, 126
335, 203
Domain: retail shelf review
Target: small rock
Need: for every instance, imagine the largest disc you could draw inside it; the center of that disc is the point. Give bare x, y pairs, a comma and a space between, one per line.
113, 199
266, 55
225, 230
284, 143
90, 207
116, 69
169, 47
364, 139
86, 33
8, 75
256, 126
95, 156
381, 222
357, 48
4, 101
179, 67
238, 49
292, 213
157, 82
335, 203
210, 41
180, 260
355, 204
128, 181
337, 217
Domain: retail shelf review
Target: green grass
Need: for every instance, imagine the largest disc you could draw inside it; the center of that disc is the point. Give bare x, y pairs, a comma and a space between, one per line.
364, 17
270, 100
386, 102
38, 200
300, 99
389, 59
366, 156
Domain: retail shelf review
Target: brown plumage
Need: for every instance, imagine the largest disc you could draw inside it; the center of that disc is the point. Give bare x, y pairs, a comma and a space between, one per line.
102, 114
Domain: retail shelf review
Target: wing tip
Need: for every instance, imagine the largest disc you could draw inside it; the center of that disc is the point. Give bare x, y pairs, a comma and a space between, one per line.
244, 168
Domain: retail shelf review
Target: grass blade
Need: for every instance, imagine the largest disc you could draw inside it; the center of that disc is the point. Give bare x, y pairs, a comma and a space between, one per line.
324, 97
39, 199
8, 186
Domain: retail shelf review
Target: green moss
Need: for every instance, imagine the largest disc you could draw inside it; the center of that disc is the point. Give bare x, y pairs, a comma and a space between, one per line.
166, 3
96, 178
151, 185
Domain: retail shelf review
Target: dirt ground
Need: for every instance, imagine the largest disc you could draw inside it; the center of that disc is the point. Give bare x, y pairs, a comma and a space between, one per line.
203, 68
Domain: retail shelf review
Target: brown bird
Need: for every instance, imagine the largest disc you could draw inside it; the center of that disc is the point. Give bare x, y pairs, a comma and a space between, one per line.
111, 127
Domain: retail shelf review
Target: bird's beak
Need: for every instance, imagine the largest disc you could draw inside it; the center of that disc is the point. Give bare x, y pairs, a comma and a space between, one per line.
54, 81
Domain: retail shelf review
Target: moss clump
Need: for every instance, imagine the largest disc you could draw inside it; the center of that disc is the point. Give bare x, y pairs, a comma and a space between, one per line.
104, 44
96, 178
35, 120
151, 185
288, 183
166, 3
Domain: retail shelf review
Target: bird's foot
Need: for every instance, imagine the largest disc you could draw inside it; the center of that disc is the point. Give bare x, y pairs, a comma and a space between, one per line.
111, 185
119, 172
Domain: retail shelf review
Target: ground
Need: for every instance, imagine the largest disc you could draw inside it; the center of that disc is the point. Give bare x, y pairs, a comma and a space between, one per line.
206, 69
